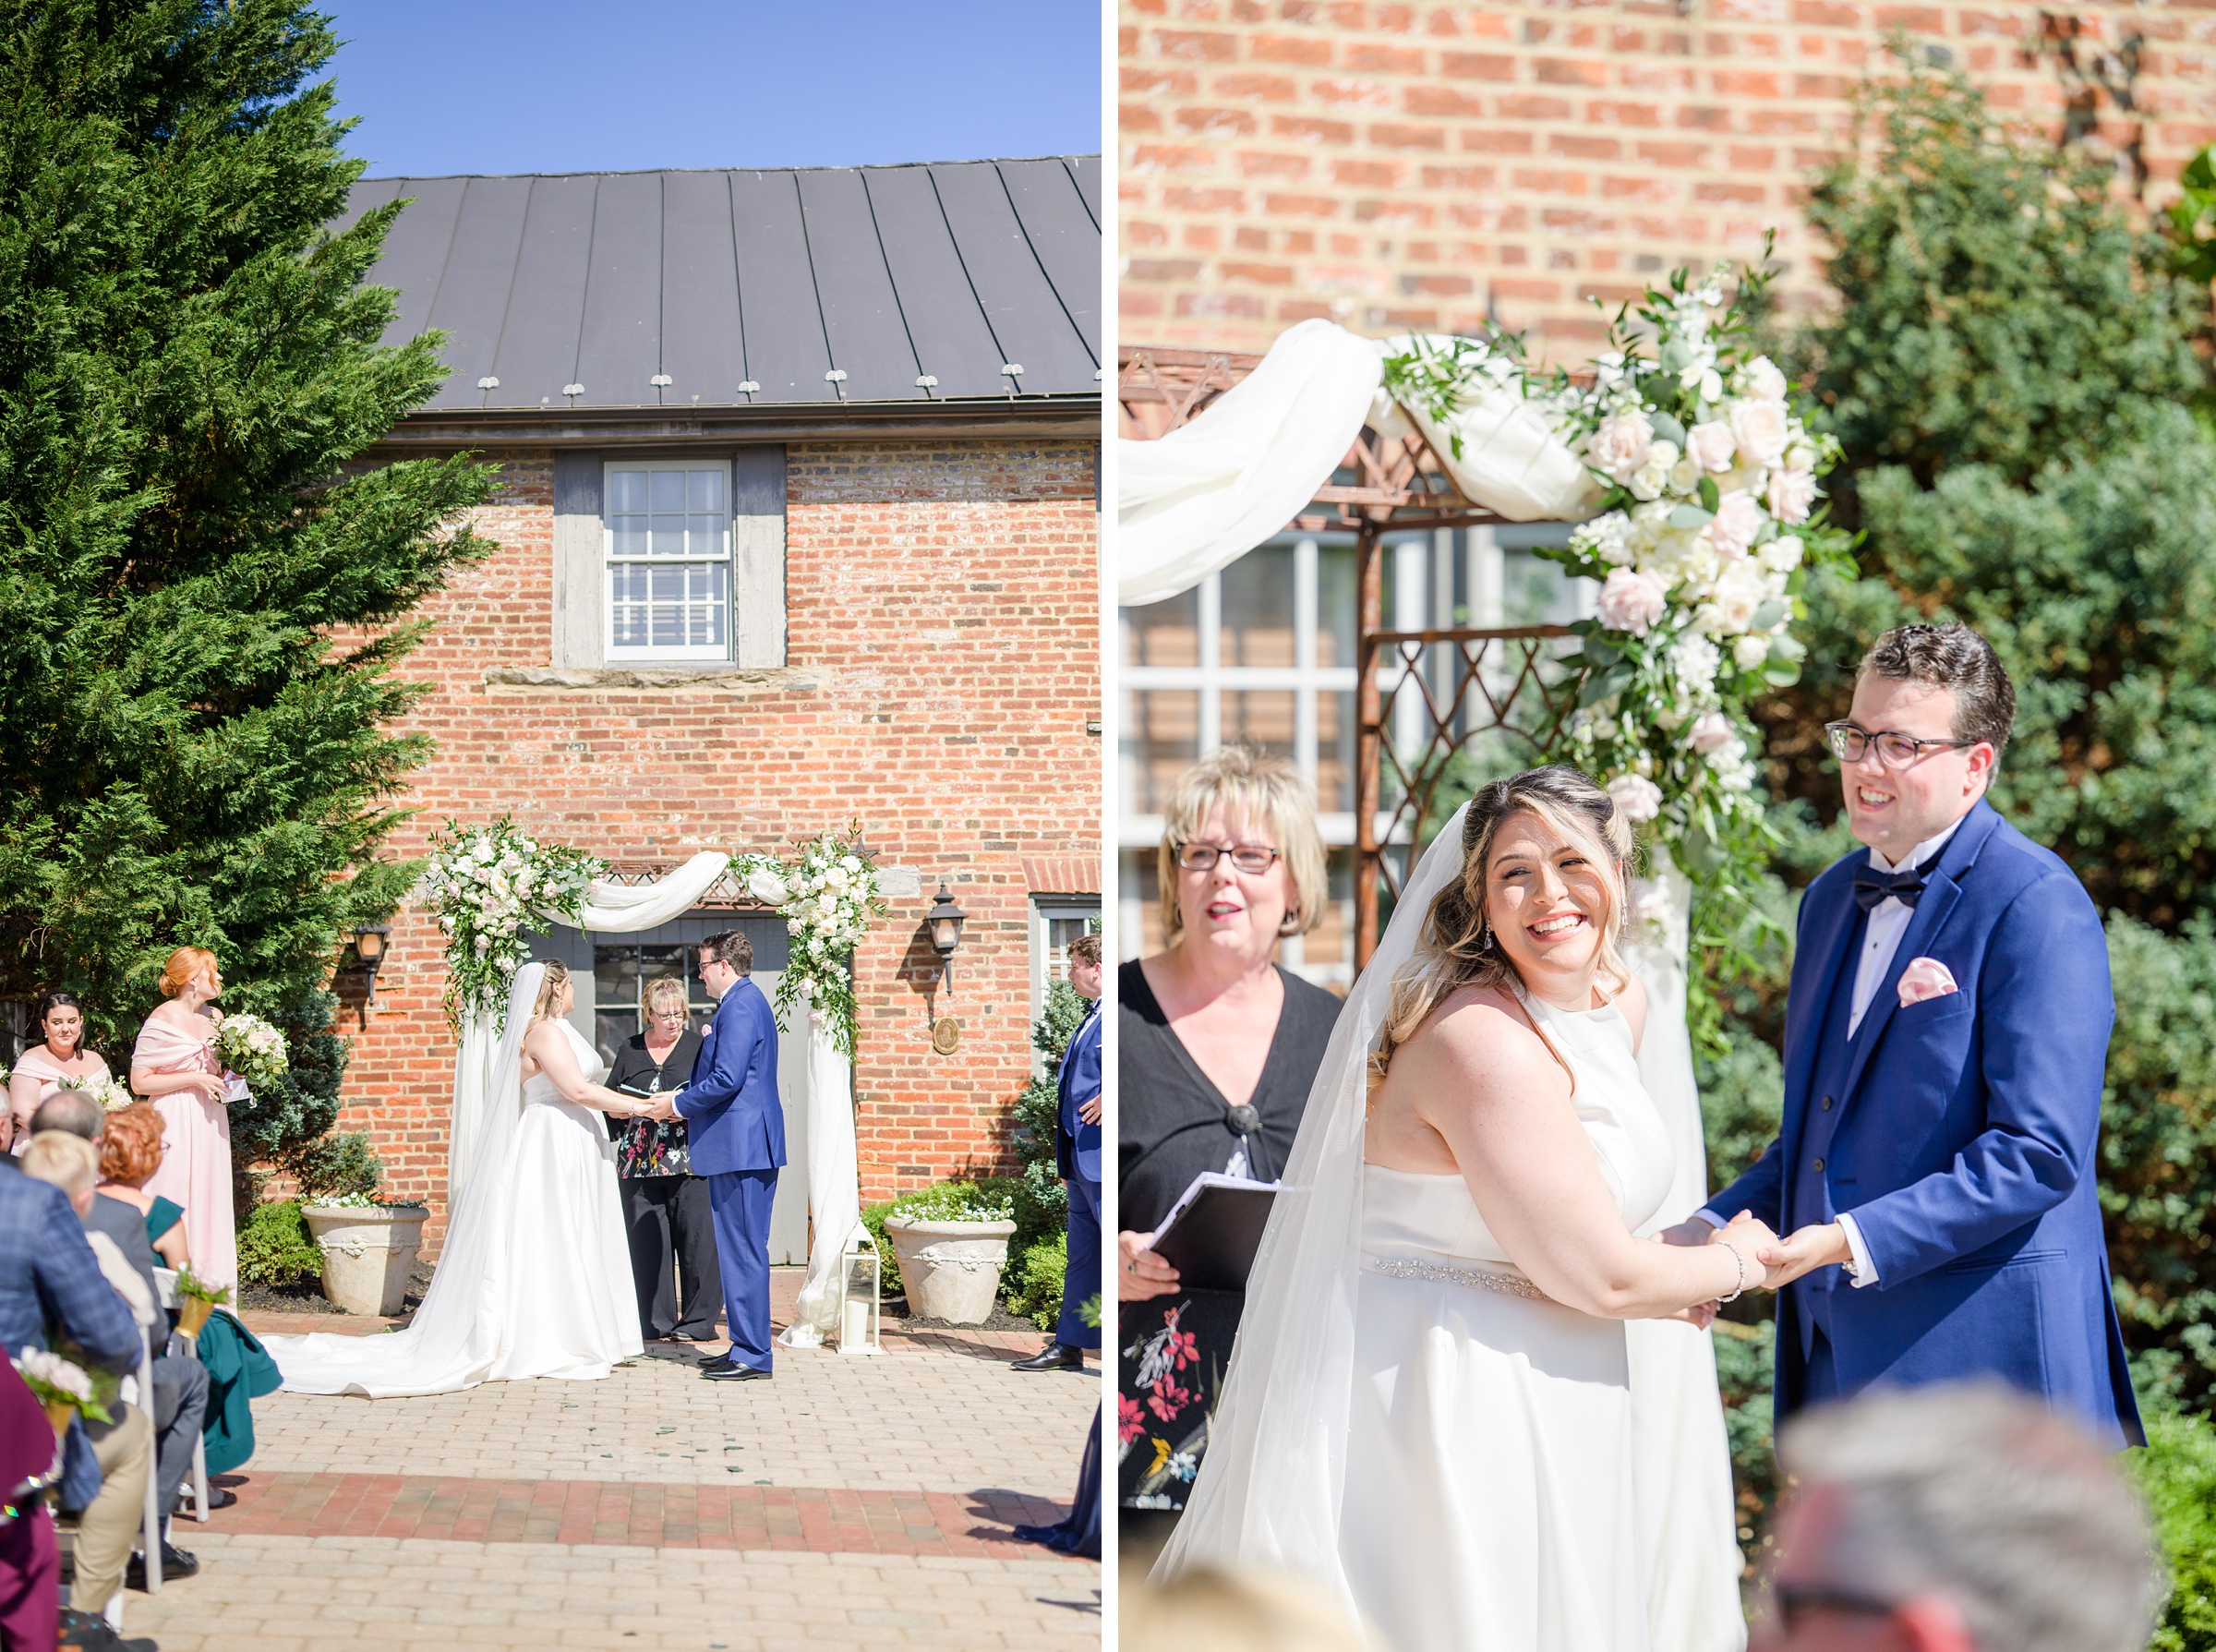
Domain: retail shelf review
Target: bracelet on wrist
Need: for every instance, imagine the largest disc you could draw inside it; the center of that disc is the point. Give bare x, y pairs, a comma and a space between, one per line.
1738, 1257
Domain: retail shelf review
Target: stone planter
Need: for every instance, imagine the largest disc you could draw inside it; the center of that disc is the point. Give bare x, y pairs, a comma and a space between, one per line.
367, 1253
951, 1269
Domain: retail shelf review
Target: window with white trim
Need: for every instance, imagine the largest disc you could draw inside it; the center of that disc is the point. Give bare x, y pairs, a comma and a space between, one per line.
667, 545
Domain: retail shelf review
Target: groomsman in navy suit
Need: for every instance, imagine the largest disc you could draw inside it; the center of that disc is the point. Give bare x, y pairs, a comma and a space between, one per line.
737, 1143
1077, 1163
1946, 1038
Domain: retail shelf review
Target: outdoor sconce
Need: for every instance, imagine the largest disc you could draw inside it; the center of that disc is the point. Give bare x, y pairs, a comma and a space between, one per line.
369, 948
946, 919
860, 1304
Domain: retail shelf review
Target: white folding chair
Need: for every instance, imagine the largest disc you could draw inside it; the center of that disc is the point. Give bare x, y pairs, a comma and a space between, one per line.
165, 1281
149, 1533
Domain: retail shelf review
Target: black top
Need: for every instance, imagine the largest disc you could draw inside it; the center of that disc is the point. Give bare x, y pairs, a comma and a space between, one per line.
1174, 1123
643, 1147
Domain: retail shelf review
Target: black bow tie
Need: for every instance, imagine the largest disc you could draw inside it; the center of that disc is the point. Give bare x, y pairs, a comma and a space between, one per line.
1872, 888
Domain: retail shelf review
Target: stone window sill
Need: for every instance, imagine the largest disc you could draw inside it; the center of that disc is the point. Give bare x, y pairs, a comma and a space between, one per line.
775, 679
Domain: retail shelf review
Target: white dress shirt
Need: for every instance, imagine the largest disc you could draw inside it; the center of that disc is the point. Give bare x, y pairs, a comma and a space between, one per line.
1880, 939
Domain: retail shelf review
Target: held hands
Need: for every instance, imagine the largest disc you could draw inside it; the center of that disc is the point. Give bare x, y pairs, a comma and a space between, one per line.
1819, 1245
661, 1107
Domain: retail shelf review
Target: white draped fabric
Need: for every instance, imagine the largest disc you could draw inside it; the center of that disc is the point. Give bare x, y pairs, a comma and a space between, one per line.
1682, 1458
834, 1189
1201, 496
1211, 491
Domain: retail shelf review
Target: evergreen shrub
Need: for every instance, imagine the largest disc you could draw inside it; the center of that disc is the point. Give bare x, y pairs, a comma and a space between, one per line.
275, 1247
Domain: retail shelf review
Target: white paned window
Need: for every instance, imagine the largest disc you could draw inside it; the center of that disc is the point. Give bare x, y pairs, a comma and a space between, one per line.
668, 547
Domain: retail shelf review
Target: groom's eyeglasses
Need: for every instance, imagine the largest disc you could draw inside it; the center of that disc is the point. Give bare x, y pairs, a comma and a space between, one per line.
1202, 857
1850, 742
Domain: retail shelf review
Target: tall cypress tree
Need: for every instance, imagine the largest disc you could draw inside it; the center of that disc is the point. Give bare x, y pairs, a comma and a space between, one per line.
203, 602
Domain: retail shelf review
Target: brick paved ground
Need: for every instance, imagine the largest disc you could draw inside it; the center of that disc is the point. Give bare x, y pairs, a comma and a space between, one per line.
847, 1501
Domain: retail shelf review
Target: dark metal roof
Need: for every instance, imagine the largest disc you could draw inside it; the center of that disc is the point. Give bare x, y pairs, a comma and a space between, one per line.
717, 279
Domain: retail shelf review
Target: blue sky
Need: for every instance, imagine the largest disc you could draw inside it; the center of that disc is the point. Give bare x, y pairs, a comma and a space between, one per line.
500, 85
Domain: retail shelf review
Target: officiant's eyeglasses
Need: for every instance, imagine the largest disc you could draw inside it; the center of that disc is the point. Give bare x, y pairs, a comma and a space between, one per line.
1202, 857
1894, 750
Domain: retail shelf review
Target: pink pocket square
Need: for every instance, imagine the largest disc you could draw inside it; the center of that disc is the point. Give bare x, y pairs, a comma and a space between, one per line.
1925, 978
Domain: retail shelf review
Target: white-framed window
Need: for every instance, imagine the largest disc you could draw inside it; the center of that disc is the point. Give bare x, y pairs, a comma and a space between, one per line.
667, 547
1056, 920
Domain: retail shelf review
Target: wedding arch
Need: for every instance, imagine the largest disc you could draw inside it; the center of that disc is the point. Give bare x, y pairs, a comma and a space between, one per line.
484, 884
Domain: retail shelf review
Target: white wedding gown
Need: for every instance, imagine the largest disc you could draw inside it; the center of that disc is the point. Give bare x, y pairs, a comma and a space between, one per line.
535, 1277
1489, 1503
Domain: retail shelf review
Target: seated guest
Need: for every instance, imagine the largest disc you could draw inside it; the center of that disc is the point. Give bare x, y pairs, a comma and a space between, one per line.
40, 1070
1956, 1518
665, 1205
30, 1563
48, 1274
117, 1233
1218, 1050
130, 1151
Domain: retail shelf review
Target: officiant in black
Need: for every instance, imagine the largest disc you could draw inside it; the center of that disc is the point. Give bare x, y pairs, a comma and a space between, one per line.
666, 1212
1217, 1049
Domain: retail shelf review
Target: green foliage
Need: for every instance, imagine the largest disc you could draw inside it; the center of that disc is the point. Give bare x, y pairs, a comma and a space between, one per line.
2176, 1472
274, 1245
1036, 1289
1745, 1362
335, 1165
1044, 1201
2191, 224
196, 672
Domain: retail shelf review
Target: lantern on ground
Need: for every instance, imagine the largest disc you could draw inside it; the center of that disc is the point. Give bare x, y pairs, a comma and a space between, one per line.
858, 1299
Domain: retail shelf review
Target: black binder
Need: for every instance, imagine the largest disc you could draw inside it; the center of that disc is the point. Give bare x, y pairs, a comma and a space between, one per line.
1212, 1232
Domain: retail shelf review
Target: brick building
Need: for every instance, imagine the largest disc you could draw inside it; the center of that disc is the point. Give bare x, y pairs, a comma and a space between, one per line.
797, 525
1425, 166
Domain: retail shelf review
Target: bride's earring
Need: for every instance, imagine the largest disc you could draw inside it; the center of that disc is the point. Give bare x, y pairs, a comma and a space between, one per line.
1485, 934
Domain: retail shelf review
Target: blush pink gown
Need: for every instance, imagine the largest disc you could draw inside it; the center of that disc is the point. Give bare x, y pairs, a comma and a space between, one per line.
195, 1171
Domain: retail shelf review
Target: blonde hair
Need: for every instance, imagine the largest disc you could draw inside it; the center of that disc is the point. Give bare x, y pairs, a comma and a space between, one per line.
185, 965
63, 1160
542, 1007
663, 987
1457, 948
1254, 790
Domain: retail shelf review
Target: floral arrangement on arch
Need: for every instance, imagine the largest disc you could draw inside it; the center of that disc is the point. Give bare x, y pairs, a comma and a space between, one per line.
1709, 516
828, 897
486, 883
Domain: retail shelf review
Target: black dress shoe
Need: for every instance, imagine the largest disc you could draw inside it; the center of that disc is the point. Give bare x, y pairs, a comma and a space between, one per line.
691, 1336
89, 1632
175, 1563
734, 1374
1054, 1357
722, 1362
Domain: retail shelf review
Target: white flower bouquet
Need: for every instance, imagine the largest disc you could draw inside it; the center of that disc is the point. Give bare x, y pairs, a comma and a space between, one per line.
112, 1094
62, 1386
828, 898
253, 1049
486, 883
1709, 520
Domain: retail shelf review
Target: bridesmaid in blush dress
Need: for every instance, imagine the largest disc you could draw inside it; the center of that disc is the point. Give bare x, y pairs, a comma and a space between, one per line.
174, 1067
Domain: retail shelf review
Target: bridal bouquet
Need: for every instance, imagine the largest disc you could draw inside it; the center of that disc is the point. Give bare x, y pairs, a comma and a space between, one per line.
1709, 516
828, 898
112, 1094
484, 884
253, 1049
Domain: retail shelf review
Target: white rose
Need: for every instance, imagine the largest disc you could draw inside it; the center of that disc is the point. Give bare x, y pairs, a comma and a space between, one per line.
1738, 592
1762, 427
1782, 555
1712, 386
852, 862
1799, 455
1710, 446
1764, 379
1638, 797
1650, 479
1684, 477
1750, 651
1632, 601
1738, 520
1621, 445
1792, 495
1709, 734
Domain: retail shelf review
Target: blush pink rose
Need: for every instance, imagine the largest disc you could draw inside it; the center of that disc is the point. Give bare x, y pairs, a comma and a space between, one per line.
1737, 519
1792, 495
1632, 601
1710, 446
1621, 445
1711, 732
1638, 797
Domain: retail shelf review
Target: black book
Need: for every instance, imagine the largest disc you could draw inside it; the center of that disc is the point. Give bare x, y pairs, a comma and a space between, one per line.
1212, 1232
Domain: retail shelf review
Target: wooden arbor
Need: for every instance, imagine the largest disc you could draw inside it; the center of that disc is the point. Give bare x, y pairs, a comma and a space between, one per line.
1477, 693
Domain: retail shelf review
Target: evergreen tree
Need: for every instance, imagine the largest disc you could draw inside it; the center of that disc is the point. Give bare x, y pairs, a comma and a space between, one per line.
202, 591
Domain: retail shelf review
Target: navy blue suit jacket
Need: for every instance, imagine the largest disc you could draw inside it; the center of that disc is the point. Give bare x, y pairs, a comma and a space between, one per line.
1077, 1143
1962, 1139
731, 1102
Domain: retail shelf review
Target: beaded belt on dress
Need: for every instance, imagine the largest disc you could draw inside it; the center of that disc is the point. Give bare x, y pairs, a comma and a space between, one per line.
1506, 1285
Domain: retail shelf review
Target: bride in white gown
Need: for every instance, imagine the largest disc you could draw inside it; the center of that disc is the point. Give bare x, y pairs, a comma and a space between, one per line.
534, 1278
1429, 1407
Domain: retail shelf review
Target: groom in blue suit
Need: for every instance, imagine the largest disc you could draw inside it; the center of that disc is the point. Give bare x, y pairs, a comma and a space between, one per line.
736, 1128
1946, 1038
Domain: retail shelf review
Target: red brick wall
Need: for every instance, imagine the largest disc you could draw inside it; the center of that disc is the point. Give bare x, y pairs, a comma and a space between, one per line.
943, 668
1408, 165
